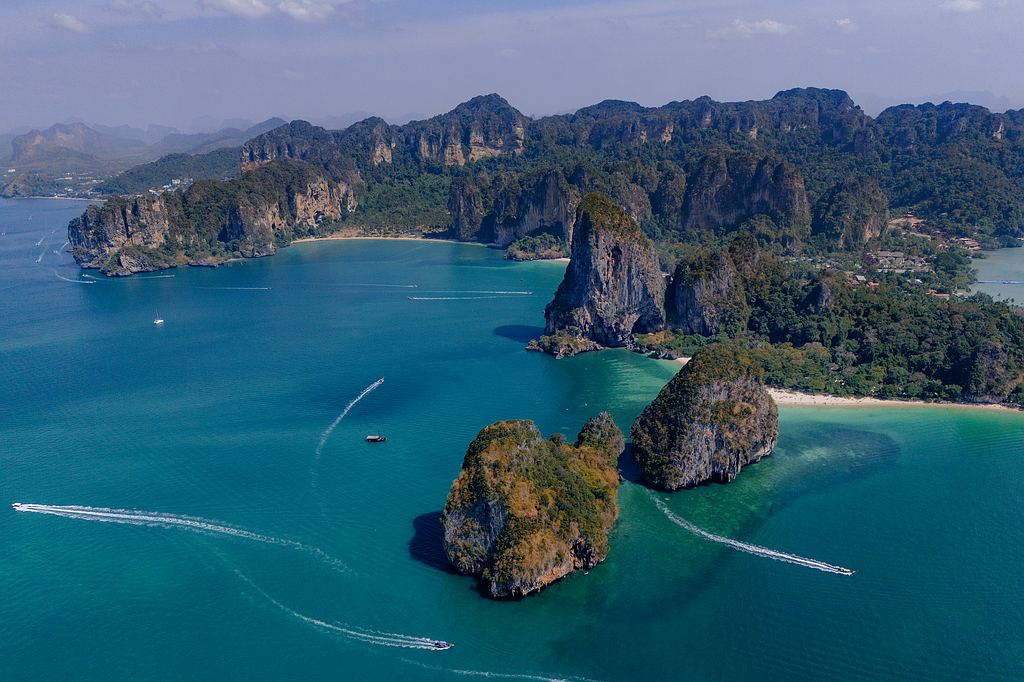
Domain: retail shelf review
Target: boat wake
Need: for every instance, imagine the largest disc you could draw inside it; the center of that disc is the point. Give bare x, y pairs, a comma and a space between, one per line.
478, 291
135, 517
234, 288
364, 636
386, 286
337, 420
455, 298
756, 550
499, 676
73, 281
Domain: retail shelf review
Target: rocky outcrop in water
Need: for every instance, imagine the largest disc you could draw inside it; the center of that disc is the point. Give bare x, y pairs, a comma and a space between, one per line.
252, 217
106, 236
613, 287
713, 418
526, 511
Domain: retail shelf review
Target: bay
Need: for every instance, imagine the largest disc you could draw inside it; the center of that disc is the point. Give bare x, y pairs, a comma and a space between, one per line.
218, 414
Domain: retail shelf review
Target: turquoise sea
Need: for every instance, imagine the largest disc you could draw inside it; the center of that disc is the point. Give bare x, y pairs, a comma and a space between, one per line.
259, 559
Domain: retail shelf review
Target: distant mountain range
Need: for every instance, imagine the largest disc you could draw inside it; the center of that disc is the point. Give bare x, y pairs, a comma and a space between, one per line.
80, 156
806, 167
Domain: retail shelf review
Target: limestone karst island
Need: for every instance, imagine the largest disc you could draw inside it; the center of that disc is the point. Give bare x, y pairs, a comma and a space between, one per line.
561, 340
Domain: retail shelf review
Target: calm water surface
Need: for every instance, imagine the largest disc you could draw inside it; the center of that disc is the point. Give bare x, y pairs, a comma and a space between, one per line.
217, 415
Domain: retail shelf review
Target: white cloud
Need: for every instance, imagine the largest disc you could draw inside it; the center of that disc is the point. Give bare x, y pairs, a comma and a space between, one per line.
962, 5
845, 24
747, 29
146, 8
66, 22
299, 10
305, 10
247, 9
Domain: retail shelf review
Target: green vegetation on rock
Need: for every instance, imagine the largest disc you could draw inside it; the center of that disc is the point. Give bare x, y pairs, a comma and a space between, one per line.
526, 511
823, 332
713, 418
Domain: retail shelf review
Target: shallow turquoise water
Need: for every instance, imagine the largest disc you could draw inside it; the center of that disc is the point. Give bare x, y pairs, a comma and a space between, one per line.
1003, 274
218, 415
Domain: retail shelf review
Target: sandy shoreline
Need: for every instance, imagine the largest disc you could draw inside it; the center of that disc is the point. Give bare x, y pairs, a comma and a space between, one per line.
796, 398
784, 397
408, 238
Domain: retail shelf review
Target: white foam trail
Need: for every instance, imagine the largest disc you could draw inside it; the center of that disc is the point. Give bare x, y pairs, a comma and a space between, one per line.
388, 639
498, 676
756, 550
45, 236
73, 281
454, 298
337, 420
64, 245
477, 291
135, 517
91, 276
40, 258
365, 284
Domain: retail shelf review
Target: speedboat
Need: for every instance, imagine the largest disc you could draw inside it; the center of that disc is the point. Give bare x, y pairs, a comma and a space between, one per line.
443, 645
376, 439
158, 321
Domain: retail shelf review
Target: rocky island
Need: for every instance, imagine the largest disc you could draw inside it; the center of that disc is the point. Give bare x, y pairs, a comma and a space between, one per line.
526, 511
613, 287
712, 419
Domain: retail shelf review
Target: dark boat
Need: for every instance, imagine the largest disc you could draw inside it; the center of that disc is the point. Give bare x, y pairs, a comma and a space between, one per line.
443, 645
376, 439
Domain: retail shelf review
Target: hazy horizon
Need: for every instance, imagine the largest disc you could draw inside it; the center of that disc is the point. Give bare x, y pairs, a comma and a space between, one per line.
184, 62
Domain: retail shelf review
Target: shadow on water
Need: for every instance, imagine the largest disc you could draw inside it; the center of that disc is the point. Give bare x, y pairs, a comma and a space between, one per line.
523, 333
425, 545
628, 468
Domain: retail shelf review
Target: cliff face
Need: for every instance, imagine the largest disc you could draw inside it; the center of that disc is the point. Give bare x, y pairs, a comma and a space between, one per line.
102, 233
297, 140
830, 114
547, 204
515, 208
909, 125
714, 417
852, 212
706, 295
525, 511
209, 221
465, 205
481, 128
728, 189
613, 285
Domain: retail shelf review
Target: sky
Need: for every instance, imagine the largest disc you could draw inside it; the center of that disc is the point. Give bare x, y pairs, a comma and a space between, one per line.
174, 62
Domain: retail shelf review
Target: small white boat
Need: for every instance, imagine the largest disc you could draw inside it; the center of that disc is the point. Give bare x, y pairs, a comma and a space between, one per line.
158, 321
